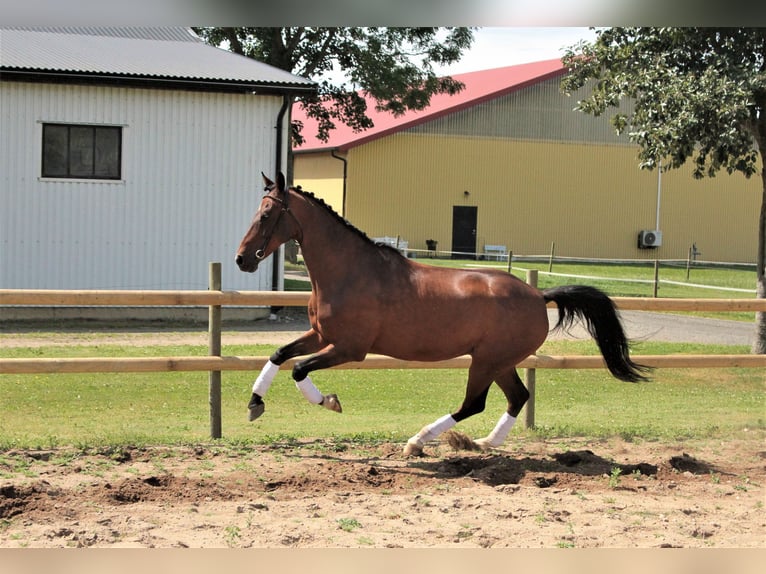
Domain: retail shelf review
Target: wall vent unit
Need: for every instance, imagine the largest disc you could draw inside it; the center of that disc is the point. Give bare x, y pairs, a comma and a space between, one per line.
649, 239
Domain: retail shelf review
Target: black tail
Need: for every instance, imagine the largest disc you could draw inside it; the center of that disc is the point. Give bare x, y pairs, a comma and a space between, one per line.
598, 313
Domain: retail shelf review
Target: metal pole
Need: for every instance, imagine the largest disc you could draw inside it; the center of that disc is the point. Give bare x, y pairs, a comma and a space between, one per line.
214, 345
688, 263
659, 193
550, 260
530, 374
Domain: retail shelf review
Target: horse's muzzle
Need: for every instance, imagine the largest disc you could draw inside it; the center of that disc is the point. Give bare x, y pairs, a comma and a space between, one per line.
247, 265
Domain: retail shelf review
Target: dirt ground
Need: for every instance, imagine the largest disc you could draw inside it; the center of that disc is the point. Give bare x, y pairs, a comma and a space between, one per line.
322, 494
325, 494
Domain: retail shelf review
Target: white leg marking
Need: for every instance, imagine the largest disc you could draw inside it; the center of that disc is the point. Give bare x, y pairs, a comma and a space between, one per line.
307, 388
498, 434
263, 382
430, 432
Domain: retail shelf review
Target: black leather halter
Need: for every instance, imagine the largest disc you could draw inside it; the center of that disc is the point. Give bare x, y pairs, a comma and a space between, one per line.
259, 254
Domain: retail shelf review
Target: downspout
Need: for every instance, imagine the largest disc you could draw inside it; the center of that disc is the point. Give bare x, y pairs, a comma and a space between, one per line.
277, 260
345, 173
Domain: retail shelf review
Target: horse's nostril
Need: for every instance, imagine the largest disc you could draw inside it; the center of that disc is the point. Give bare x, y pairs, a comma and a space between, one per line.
239, 260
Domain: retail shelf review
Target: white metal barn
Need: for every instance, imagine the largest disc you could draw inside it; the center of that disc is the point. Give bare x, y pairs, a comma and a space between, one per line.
130, 158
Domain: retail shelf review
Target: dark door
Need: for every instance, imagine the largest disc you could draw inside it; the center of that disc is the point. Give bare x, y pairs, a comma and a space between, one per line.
464, 231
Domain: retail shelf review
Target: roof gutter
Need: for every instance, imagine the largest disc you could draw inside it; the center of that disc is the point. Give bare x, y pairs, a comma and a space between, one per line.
59, 77
276, 265
333, 153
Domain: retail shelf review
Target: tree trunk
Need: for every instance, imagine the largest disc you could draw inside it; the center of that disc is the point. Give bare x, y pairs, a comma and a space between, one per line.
759, 345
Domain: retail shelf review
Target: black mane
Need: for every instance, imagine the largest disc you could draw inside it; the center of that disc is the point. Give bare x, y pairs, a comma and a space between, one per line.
342, 220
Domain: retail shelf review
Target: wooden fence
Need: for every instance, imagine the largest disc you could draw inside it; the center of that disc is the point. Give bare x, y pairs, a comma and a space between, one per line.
215, 298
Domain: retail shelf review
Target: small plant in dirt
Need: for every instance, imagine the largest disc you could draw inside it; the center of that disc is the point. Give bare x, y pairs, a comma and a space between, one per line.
421, 500
348, 524
614, 477
466, 532
365, 541
232, 535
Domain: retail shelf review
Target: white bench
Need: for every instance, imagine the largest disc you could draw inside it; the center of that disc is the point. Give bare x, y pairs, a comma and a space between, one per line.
496, 251
395, 242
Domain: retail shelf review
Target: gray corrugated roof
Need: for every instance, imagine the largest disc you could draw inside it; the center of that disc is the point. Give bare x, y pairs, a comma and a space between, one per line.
161, 53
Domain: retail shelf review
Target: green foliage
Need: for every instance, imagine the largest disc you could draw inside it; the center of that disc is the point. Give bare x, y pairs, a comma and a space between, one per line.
697, 93
393, 65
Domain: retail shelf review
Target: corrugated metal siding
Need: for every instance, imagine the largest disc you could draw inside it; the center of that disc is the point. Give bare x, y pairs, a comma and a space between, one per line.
321, 174
539, 112
191, 183
591, 200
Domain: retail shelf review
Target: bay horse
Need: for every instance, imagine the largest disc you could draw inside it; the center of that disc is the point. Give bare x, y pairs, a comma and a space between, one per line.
369, 298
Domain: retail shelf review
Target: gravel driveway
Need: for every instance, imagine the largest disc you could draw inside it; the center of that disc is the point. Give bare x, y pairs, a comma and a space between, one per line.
646, 325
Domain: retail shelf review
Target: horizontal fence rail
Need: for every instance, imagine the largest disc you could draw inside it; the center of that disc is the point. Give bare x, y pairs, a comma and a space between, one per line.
214, 363
232, 363
159, 298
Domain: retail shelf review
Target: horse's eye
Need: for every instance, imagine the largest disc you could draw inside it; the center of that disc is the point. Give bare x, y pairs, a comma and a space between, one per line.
264, 216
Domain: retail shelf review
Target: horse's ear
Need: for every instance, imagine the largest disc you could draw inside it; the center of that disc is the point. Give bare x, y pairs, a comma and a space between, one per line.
281, 182
266, 181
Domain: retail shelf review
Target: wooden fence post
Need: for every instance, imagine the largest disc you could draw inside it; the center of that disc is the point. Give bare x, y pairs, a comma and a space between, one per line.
530, 374
214, 345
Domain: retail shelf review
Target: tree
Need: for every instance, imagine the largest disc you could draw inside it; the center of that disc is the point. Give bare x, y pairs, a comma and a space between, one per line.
393, 65
699, 94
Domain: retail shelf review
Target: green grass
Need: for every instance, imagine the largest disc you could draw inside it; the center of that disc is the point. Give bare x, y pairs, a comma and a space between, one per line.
738, 278
104, 409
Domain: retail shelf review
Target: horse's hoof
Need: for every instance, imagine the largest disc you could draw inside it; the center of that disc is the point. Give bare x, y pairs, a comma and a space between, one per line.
331, 402
412, 449
255, 410
483, 444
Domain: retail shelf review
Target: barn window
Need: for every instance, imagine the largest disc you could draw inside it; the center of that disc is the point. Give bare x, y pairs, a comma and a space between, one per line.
82, 151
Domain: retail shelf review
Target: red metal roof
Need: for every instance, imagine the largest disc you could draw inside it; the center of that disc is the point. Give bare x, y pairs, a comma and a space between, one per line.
479, 87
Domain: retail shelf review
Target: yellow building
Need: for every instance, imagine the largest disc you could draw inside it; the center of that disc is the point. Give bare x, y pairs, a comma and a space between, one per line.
508, 163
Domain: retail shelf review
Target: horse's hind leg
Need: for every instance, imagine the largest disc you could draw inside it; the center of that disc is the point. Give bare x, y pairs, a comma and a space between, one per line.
517, 395
475, 399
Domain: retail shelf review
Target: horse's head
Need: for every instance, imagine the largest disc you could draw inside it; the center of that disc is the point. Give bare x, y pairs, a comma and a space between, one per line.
269, 228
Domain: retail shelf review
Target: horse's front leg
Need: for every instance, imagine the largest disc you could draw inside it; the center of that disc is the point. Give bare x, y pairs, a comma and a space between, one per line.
328, 357
309, 342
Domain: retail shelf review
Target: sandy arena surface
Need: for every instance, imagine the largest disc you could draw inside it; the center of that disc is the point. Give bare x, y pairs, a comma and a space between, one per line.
540, 494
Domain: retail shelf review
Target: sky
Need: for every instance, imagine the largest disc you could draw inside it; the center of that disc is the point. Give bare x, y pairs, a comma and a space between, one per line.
496, 47
499, 47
